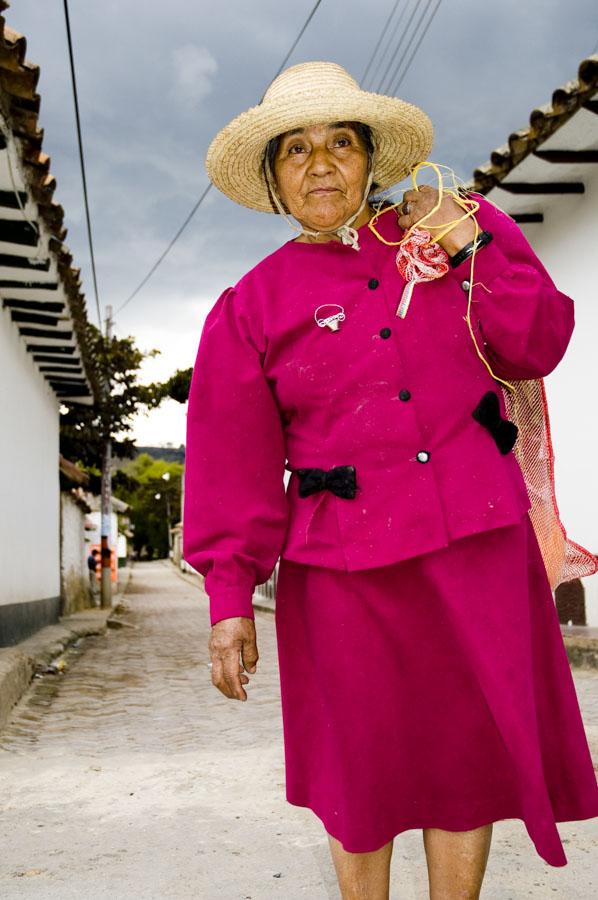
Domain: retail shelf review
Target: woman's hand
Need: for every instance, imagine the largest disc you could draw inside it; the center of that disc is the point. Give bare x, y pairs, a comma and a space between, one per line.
228, 638
417, 203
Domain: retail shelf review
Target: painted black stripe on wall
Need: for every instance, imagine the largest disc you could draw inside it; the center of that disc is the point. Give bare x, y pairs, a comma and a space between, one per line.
20, 620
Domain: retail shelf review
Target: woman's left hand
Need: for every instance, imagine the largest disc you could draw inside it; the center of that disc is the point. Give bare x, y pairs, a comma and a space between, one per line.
416, 203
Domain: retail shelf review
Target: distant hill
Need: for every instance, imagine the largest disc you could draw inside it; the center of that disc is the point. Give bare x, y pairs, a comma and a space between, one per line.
169, 453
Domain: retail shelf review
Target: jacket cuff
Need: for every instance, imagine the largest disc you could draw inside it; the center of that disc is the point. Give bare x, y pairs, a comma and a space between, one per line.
231, 601
489, 263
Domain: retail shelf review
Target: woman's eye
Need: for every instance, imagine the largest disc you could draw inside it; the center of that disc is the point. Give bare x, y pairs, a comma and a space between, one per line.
343, 141
296, 148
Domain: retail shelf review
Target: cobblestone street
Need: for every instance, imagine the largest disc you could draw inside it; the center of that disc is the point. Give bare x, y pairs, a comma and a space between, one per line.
131, 776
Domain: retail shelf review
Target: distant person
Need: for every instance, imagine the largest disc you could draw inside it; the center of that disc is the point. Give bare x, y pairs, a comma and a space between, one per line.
424, 681
93, 561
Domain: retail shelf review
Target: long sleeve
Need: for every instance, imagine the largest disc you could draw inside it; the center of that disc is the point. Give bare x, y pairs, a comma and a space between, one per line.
236, 512
524, 320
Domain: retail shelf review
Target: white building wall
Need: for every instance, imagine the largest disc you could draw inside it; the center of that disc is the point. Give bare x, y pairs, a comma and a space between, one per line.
75, 580
567, 243
29, 481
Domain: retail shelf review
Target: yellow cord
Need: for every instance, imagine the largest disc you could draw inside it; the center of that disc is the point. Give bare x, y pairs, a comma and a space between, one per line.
470, 207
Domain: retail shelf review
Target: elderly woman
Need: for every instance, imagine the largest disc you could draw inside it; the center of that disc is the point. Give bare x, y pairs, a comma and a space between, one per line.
424, 682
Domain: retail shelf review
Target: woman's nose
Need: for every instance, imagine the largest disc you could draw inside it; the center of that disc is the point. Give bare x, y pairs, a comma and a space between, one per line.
320, 162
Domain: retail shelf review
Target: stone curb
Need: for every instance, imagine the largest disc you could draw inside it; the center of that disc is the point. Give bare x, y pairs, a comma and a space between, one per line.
19, 664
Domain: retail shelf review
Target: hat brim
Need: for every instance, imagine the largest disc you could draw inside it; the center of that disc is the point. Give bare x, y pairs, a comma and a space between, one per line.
403, 135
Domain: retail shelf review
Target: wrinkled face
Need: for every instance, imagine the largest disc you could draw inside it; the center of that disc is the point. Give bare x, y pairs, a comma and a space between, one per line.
321, 174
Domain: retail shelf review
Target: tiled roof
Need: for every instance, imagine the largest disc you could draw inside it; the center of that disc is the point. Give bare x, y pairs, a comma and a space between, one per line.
544, 122
39, 285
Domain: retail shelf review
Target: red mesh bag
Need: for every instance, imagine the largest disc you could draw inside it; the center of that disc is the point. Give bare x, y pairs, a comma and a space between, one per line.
527, 407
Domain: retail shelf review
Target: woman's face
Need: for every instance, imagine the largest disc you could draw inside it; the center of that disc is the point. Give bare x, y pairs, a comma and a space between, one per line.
321, 173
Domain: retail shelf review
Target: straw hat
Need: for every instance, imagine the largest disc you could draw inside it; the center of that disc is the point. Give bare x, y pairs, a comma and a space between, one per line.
314, 93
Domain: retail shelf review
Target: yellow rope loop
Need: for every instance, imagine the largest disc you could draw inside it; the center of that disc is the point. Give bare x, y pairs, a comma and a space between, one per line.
470, 207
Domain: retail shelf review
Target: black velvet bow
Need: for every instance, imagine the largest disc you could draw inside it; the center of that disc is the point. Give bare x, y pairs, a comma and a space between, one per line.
487, 413
340, 480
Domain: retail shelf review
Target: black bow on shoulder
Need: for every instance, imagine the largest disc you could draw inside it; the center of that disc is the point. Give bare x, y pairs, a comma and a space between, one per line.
487, 413
340, 480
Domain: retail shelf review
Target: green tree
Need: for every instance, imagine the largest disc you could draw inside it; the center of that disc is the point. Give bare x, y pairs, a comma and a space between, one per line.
83, 429
177, 386
153, 489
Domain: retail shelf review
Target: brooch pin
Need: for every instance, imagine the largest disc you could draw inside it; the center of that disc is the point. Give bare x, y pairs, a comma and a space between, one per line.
332, 321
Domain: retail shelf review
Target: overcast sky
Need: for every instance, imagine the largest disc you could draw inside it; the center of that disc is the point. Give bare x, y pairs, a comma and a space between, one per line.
156, 81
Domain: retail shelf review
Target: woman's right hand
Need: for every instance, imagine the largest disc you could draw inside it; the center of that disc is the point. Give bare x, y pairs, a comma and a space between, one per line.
229, 638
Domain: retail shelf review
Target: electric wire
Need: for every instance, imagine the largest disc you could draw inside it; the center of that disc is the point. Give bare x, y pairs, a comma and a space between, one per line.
380, 39
397, 85
295, 42
82, 160
409, 44
207, 189
169, 247
382, 82
390, 41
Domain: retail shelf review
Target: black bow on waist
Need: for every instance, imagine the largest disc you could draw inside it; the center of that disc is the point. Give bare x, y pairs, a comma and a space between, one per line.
487, 413
340, 480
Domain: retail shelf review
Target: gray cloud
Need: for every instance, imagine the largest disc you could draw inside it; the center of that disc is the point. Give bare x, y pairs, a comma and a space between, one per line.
156, 82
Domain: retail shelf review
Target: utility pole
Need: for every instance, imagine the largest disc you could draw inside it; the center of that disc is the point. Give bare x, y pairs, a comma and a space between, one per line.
166, 477
106, 583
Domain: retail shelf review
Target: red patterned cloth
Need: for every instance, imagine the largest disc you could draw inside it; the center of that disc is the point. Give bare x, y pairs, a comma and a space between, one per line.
419, 260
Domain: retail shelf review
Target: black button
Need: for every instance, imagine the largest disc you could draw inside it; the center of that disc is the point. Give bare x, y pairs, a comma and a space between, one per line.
385, 332
404, 394
373, 284
422, 456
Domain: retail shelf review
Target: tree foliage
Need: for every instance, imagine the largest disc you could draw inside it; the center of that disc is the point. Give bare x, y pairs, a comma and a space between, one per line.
115, 368
177, 386
153, 489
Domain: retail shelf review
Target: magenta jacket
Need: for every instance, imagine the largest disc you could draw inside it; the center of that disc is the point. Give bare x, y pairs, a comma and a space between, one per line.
391, 397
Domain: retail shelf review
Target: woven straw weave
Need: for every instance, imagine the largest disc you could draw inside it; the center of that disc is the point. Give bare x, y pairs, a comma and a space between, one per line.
307, 94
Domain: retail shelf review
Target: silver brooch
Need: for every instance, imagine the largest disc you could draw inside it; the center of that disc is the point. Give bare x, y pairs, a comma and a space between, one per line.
332, 321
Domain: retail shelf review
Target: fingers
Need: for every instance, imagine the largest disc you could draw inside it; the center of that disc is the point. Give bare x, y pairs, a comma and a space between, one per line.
227, 641
226, 674
408, 210
249, 655
415, 205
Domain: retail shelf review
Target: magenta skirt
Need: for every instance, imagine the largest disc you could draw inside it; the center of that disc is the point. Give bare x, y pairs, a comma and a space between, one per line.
434, 692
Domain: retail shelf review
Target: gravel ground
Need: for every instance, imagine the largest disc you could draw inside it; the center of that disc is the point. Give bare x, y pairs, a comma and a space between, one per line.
131, 776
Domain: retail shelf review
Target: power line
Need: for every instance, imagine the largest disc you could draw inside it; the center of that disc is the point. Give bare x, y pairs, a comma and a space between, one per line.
382, 81
168, 248
392, 35
417, 46
406, 49
82, 161
207, 190
380, 39
295, 42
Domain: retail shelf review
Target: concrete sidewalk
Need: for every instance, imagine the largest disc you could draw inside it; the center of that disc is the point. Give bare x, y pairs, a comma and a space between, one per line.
19, 663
